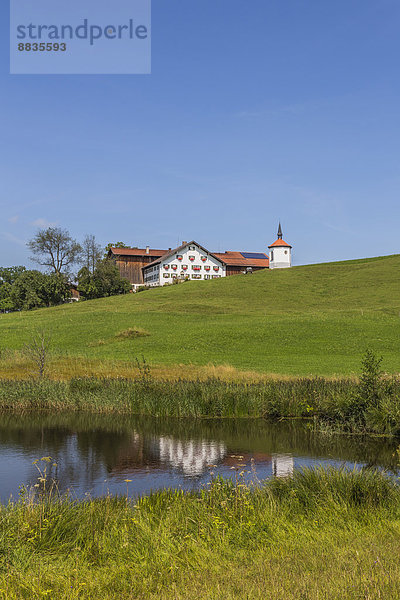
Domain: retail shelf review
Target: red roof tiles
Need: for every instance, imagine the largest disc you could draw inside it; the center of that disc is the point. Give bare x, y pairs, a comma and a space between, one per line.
280, 243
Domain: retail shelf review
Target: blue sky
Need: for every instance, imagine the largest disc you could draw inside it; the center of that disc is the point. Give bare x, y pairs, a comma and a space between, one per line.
255, 112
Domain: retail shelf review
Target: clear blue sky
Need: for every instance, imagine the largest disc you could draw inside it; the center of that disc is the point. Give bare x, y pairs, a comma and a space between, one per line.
255, 111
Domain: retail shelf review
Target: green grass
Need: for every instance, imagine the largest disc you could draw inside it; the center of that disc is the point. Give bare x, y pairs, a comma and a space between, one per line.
340, 405
315, 319
320, 534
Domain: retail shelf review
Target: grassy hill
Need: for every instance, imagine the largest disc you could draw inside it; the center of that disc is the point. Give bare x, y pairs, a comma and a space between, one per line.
315, 319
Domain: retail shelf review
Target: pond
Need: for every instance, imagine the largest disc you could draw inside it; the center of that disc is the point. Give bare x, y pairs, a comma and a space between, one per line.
95, 454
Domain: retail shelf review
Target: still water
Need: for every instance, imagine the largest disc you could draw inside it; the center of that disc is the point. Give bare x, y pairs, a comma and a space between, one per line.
95, 454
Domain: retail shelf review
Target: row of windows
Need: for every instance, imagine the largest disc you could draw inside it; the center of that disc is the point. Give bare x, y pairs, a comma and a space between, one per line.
193, 276
194, 267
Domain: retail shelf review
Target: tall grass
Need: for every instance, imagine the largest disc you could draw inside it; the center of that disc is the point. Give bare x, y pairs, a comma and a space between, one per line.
319, 534
330, 404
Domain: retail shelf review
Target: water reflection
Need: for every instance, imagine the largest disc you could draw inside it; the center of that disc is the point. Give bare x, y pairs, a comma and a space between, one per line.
97, 453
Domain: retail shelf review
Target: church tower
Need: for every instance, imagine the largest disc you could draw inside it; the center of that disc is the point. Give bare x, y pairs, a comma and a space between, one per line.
280, 253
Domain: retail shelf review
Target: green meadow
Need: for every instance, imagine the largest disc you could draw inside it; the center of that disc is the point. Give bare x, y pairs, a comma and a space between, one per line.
319, 534
308, 320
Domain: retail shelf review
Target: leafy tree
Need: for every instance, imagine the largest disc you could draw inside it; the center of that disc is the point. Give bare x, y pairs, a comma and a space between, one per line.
6, 304
33, 289
104, 281
10, 274
92, 253
371, 379
54, 248
86, 285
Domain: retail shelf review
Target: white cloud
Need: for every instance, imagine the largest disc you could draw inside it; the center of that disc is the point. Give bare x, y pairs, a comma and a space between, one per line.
43, 223
14, 219
11, 238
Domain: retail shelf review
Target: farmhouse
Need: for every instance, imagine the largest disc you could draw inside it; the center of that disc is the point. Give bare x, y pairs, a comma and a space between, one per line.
148, 266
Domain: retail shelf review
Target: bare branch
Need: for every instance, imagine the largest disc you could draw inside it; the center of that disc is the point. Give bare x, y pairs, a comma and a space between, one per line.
54, 248
37, 350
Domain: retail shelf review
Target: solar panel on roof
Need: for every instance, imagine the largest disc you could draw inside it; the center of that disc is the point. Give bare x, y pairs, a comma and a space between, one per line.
256, 255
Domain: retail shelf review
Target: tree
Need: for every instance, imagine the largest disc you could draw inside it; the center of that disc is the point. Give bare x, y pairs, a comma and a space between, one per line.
54, 248
33, 289
37, 350
10, 274
104, 281
27, 292
92, 252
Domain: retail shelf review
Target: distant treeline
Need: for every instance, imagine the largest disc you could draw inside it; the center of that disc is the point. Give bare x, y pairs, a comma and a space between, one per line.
55, 250
23, 289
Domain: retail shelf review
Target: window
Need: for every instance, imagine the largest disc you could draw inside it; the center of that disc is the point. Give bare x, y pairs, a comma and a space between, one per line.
166, 274
196, 276
272, 255
216, 276
196, 268
192, 247
179, 256
207, 276
191, 257
285, 251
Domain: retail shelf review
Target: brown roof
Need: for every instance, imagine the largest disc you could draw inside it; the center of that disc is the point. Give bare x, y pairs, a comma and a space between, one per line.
280, 243
137, 252
236, 259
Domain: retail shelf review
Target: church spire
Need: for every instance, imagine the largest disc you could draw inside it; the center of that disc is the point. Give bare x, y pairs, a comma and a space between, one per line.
279, 232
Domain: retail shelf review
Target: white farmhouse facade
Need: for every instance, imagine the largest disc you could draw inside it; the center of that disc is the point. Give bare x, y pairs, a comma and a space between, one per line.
189, 261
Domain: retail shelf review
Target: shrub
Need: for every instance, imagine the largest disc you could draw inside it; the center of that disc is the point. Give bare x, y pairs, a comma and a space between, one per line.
132, 332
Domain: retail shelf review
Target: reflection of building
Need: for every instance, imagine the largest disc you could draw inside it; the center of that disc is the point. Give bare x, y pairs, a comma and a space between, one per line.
282, 465
191, 457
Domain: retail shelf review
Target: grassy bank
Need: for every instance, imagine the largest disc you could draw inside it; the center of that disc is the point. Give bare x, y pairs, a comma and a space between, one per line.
63, 367
317, 535
368, 405
309, 320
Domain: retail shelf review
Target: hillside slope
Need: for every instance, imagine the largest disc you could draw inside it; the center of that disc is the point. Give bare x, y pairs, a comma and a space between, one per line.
315, 319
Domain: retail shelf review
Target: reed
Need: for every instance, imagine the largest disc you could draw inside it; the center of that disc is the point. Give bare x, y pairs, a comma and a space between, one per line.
333, 405
319, 534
